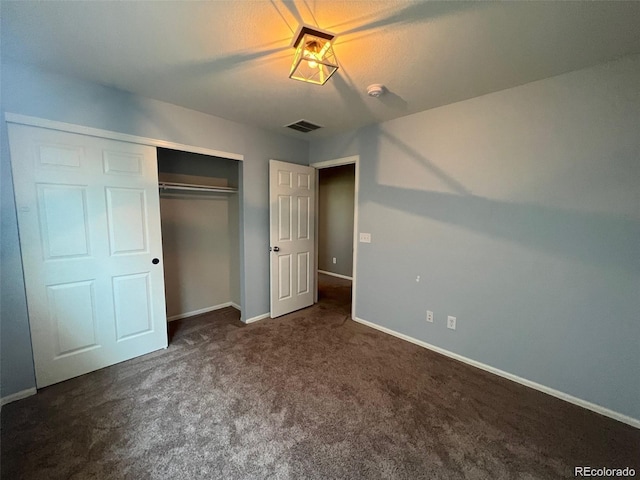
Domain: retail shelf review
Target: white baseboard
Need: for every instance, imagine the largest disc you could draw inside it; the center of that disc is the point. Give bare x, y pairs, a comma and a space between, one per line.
18, 396
236, 306
335, 275
201, 311
259, 317
634, 422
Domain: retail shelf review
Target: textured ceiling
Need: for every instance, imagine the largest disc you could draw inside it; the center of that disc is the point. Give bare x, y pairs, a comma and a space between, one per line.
231, 58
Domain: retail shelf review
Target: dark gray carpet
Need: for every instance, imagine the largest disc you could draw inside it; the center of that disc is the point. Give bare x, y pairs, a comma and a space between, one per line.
309, 395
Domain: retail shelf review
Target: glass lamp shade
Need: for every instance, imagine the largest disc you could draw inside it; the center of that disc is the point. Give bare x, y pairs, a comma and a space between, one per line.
314, 61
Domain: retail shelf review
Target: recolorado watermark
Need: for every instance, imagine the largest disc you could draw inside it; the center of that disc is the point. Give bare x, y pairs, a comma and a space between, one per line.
585, 471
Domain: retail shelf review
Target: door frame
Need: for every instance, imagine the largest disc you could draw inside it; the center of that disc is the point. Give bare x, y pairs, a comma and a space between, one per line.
351, 160
111, 135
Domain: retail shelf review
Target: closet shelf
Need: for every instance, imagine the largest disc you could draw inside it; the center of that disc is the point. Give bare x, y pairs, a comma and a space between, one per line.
195, 188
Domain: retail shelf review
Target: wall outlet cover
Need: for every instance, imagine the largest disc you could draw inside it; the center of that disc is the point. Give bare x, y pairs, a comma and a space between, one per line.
429, 316
451, 322
365, 238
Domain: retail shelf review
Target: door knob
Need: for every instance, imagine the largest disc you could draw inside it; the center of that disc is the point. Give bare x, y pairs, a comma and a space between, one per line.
276, 249
155, 261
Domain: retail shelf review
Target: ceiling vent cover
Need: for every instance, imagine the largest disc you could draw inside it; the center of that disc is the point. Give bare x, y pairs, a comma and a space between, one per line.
303, 126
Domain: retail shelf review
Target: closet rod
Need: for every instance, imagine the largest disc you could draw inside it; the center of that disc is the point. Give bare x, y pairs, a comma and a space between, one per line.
195, 188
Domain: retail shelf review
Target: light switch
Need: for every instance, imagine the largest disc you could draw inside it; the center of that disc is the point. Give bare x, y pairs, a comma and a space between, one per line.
365, 238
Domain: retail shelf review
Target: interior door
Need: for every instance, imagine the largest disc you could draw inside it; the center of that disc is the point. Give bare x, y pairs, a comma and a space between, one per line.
292, 225
89, 222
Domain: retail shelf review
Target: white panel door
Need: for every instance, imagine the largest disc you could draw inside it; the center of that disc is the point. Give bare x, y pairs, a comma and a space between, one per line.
89, 221
292, 211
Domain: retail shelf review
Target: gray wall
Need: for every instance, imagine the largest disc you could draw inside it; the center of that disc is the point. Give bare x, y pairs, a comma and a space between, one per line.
335, 219
33, 92
520, 210
16, 361
199, 233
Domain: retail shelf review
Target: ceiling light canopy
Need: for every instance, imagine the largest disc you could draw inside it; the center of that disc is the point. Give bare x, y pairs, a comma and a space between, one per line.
314, 61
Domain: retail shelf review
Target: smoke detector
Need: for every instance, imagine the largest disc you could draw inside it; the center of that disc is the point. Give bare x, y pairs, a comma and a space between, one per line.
375, 90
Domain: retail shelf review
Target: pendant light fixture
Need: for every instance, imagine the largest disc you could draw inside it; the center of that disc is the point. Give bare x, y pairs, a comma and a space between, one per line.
314, 61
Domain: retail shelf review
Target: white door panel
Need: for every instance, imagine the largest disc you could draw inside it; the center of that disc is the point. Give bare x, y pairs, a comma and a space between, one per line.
292, 201
89, 220
127, 220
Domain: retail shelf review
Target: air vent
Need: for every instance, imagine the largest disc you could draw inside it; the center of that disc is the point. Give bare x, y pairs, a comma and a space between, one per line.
303, 126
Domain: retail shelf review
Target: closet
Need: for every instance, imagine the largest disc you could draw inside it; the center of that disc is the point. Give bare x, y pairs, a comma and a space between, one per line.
93, 233
199, 211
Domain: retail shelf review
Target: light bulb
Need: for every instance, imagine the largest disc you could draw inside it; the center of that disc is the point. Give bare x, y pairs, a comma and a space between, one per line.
313, 53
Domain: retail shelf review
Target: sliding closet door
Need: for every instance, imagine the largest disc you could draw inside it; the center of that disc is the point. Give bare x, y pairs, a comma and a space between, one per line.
89, 222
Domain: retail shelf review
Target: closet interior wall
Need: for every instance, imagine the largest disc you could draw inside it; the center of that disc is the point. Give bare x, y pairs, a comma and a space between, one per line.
200, 234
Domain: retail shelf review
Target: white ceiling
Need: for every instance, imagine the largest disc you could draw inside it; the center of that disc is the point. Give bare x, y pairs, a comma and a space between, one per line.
232, 58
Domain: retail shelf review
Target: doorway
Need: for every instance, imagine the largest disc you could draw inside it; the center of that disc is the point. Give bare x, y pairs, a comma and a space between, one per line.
199, 210
336, 229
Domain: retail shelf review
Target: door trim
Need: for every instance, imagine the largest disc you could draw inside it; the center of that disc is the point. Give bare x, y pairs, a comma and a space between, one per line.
110, 135
352, 160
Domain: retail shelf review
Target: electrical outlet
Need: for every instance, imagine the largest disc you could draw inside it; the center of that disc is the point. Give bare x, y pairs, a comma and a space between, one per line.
451, 322
429, 316
365, 238
334, 260
418, 279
